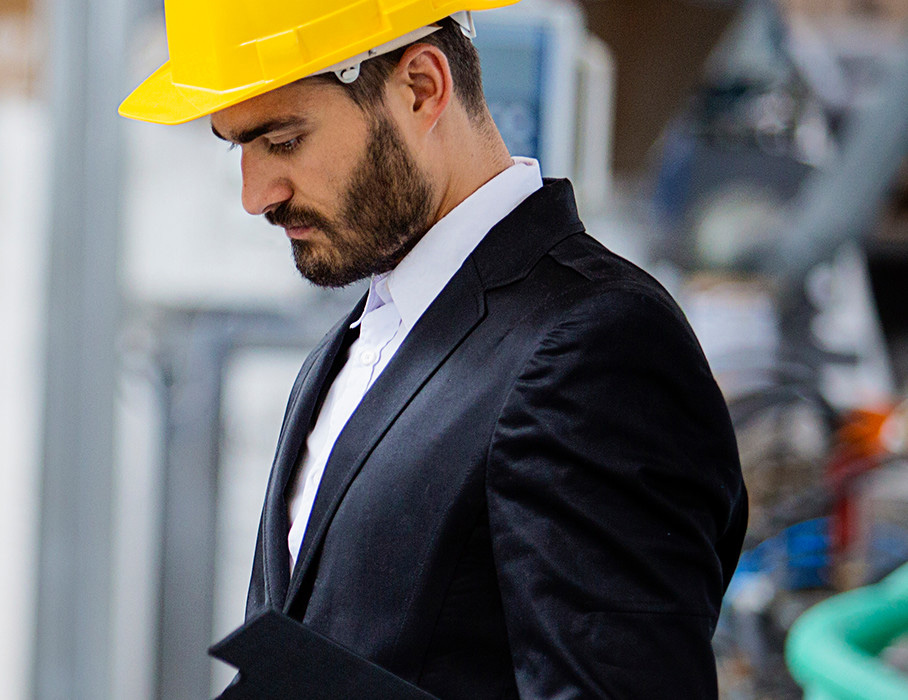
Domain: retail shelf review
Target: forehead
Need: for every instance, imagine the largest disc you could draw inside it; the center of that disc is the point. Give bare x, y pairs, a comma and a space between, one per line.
308, 100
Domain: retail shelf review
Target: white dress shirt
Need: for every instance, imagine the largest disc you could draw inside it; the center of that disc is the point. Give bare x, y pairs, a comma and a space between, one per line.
395, 303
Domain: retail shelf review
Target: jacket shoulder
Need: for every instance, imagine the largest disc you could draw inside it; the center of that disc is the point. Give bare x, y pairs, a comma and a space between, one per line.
579, 276
598, 266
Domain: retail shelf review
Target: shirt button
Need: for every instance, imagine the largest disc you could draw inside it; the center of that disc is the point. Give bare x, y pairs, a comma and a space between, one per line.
368, 357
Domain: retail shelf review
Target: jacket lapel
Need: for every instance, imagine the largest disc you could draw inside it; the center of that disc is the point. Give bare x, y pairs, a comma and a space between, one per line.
436, 334
303, 404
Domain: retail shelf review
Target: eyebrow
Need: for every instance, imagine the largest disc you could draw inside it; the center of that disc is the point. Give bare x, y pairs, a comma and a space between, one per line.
252, 133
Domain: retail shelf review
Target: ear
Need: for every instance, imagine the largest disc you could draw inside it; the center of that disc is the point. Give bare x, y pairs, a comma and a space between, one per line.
423, 84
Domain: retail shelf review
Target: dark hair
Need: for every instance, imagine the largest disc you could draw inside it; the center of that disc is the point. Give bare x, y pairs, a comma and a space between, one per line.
367, 91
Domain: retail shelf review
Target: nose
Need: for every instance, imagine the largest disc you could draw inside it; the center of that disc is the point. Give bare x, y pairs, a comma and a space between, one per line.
263, 186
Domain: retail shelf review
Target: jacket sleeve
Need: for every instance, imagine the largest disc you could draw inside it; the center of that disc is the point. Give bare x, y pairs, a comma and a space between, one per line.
616, 506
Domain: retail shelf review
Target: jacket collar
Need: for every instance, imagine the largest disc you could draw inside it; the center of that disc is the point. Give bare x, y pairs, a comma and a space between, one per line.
517, 242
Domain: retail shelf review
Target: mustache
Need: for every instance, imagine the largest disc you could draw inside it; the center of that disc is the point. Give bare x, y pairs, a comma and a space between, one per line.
287, 215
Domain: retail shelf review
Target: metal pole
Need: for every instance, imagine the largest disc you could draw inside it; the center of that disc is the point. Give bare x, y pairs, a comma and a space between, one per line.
72, 655
840, 203
192, 367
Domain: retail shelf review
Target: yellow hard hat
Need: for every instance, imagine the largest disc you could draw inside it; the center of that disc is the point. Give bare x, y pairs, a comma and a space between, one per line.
225, 51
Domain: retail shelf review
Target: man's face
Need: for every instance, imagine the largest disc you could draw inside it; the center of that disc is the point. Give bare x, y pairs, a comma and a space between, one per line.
342, 183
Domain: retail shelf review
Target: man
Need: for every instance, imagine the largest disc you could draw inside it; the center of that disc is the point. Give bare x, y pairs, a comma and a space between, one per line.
508, 471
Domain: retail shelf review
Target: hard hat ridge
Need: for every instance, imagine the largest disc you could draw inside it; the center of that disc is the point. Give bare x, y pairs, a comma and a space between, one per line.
223, 52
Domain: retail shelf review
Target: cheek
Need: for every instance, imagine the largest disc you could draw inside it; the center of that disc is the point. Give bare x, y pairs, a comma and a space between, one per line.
322, 175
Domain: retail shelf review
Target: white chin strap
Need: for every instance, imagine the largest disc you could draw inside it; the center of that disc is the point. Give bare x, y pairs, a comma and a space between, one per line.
348, 71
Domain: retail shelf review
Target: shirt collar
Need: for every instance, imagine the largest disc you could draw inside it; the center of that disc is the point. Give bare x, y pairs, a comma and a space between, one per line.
378, 296
424, 272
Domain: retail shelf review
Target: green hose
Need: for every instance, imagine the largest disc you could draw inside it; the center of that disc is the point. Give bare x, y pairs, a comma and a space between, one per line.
832, 648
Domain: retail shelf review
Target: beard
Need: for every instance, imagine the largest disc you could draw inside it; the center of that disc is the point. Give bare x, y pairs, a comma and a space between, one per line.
384, 212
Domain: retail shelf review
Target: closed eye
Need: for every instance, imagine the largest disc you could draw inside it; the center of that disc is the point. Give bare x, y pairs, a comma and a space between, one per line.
285, 147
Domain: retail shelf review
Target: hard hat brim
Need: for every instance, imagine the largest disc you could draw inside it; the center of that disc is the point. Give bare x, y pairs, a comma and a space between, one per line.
161, 101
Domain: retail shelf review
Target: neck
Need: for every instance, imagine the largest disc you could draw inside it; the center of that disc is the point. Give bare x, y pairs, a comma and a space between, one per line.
472, 161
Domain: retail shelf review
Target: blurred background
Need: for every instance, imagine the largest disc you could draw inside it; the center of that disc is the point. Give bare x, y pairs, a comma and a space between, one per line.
752, 154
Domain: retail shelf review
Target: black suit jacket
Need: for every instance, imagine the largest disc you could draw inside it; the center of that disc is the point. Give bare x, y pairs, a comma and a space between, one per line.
540, 495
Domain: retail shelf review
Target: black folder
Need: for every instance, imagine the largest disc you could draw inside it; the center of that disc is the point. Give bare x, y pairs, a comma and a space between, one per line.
282, 659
